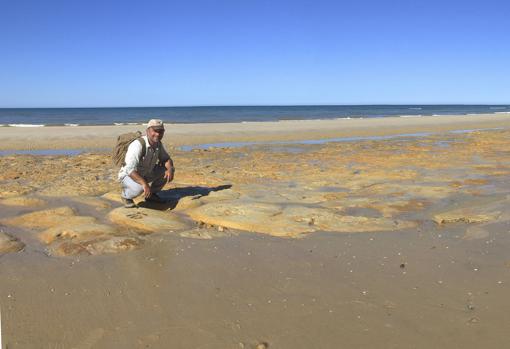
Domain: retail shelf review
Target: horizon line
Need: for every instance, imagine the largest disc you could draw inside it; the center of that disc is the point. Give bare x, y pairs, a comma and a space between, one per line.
267, 105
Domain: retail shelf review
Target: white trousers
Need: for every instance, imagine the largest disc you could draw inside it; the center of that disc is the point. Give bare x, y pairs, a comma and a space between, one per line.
156, 180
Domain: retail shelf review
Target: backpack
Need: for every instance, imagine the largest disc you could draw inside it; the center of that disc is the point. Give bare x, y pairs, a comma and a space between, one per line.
121, 147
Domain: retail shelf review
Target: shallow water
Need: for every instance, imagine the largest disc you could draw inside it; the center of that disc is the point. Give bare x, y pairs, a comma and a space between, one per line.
323, 141
411, 289
304, 142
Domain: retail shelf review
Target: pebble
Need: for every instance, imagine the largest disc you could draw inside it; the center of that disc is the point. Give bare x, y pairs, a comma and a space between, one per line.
473, 320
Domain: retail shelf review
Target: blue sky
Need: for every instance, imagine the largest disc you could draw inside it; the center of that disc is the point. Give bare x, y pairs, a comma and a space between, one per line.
165, 53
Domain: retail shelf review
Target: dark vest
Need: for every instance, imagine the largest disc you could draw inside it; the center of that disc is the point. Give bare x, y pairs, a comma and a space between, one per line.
149, 161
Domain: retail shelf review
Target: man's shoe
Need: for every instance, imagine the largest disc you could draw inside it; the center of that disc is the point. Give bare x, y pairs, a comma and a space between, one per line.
128, 203
155, 198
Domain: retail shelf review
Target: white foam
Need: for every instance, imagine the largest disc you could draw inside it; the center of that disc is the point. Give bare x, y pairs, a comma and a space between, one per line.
410, 116
72, 125
118, 123
25, 125
132, 123
502, 112
414, 108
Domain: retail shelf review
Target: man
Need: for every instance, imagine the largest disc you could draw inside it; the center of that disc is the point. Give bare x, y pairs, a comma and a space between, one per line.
146, 173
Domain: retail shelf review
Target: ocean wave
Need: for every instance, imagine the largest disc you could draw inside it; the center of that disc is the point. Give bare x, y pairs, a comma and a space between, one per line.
497, 107
502, 112
26, 125
71, 124
415, 108
411, 116
126, 123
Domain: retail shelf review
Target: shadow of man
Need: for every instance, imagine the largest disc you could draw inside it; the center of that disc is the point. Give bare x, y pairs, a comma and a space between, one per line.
172, 196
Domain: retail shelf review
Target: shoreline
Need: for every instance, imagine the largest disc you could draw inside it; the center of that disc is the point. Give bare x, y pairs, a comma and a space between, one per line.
79, 137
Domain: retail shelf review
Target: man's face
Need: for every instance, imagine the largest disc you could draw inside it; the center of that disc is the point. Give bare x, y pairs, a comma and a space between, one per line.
155, 135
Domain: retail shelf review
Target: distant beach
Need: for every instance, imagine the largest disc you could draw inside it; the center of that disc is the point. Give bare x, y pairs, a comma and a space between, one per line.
96, 137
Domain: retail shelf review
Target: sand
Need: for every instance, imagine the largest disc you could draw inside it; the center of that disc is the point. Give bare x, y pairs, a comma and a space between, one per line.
398, 242
60, 137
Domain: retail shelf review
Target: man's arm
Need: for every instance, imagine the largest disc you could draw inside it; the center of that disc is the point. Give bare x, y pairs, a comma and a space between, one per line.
170, 170
169, 165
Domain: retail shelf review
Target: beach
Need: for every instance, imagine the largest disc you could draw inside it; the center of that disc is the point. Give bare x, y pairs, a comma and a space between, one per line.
100, 137
359, 233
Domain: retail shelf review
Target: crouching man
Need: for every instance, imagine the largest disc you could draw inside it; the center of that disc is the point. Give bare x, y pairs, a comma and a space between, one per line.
147, 166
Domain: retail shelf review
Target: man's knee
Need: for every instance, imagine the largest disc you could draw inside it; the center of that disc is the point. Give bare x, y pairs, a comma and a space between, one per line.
131, 189
131, 193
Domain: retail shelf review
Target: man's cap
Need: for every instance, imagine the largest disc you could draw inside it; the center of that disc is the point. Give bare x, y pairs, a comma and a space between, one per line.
156, 124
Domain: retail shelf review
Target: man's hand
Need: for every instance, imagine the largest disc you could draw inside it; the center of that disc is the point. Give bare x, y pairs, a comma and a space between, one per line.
170, 170
146, 190
169, 175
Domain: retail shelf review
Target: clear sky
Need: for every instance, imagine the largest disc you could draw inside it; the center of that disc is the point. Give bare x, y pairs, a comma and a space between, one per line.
240, 52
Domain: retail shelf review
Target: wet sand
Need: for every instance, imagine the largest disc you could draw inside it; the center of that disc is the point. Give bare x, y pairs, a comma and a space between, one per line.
439, 278
323, 291
94, 137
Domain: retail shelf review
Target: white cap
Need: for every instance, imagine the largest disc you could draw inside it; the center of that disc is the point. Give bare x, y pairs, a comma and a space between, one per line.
156, 124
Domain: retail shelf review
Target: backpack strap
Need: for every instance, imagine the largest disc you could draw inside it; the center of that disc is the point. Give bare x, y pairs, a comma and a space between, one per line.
144, 149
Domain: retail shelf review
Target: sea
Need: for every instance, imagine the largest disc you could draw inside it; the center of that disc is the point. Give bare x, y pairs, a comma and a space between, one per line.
40, 117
